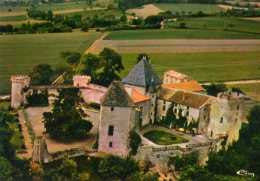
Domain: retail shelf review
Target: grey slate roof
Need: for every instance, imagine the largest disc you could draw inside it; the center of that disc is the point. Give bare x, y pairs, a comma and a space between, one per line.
142, 75
117, 96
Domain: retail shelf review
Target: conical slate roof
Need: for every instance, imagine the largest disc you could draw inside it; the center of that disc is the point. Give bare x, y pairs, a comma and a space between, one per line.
142, 75
117, 96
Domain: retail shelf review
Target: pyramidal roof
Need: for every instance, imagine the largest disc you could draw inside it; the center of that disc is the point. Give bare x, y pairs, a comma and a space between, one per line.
142, 75
117, 96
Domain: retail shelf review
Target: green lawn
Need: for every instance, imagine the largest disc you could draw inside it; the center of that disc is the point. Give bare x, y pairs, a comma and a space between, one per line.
163, 138
197, 28
19, 53
204, 66
194, 8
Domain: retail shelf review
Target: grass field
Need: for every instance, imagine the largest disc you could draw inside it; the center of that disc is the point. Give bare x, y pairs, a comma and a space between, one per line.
19, 53
194, 8
220, 23
198, 28
179, 34
13, 18
204, 66
163, 138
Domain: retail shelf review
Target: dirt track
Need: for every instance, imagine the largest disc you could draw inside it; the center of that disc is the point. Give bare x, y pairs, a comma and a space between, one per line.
235, 82
175, 46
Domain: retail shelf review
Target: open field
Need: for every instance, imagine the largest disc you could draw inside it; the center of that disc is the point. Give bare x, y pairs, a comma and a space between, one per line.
221, 24
197, 28
176, 45
19, 53
17, 20
145, 11
194, 8
211, 67
179, 34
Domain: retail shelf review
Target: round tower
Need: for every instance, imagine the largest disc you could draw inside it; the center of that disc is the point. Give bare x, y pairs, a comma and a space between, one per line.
19, 82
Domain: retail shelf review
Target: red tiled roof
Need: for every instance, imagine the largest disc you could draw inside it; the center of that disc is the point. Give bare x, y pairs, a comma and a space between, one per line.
138, 97
192, 86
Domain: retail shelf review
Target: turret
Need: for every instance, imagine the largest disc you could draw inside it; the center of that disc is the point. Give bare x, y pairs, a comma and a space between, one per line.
116, 120
19, 83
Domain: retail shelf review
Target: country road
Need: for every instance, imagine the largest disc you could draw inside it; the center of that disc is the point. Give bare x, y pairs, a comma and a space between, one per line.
177, 45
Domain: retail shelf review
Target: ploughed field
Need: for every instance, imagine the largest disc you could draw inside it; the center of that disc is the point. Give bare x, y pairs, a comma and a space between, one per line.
204, 67
19, 53
163, 138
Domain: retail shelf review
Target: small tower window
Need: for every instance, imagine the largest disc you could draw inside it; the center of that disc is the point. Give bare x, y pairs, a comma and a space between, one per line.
110, 144
110, 130
163, 107
221, 120
237, 107
112, 108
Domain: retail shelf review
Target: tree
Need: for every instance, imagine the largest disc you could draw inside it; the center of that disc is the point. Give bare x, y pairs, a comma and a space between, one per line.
135, 142
11, 168
42, 74
116, 167
65, 122
214, 89
180, 163
111, 65
91, 64
170, 118
72, 58
6, 169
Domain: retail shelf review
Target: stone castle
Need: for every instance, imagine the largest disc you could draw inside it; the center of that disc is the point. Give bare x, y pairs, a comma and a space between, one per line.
140, 100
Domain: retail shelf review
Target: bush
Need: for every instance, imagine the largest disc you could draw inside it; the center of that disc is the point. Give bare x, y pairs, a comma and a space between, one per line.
135, 141
38, 99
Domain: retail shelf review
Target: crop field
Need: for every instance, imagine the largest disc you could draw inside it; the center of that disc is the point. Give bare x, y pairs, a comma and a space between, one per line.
193, 8
18, 15
221, 24
145, 11
210, 67
197, 28
19, 53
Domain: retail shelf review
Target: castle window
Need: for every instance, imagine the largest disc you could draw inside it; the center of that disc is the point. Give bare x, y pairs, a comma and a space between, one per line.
221, 120
110, 130
163, 107
110, 144
112, 109
237, 107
